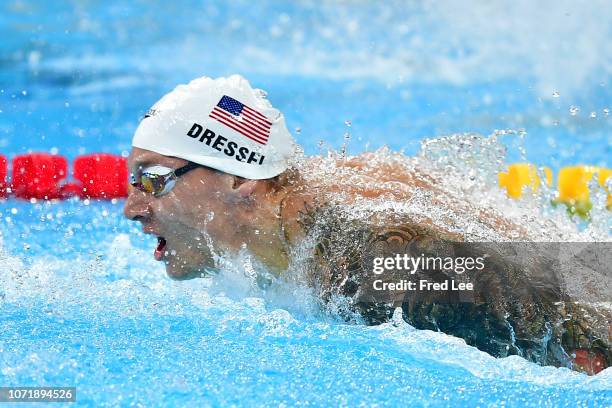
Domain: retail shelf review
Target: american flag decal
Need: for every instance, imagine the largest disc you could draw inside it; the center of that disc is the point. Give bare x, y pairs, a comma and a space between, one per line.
244, 120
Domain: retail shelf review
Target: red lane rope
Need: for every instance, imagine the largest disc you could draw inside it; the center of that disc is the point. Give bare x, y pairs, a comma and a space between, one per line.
43, 176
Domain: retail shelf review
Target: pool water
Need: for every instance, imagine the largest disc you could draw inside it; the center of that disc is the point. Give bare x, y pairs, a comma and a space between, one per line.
82, 301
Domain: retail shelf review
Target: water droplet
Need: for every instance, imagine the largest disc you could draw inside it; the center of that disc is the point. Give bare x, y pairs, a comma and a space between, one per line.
573, 110
593, 115
298, 130
556, 94
173, 252
24, 92
348, 123
606, 111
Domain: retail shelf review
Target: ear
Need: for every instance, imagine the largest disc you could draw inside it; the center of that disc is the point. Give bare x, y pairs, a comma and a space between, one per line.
247, 188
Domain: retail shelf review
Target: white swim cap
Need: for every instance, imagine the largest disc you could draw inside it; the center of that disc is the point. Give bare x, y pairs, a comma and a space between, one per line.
221, 123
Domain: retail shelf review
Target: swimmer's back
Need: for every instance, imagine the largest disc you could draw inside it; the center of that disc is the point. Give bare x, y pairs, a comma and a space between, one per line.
516, 308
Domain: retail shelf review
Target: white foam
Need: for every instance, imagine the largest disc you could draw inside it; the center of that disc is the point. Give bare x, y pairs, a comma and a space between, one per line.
449, 350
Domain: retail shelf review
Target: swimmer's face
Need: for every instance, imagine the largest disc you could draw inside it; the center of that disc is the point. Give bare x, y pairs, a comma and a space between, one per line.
192, 222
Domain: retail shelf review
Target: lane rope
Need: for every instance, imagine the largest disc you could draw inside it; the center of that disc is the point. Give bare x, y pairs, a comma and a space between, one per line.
44, 176
104, 176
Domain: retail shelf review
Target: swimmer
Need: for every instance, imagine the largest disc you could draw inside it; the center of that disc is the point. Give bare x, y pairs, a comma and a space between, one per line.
214, 172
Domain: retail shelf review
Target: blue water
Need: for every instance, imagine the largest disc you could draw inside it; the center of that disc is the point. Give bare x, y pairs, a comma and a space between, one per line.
83, 303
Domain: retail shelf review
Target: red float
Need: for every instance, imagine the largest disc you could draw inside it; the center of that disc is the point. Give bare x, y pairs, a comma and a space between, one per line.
42, 175
38, 175
103, 176
3, 171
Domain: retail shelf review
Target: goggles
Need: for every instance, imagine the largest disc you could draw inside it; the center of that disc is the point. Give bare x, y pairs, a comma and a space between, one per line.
159, 180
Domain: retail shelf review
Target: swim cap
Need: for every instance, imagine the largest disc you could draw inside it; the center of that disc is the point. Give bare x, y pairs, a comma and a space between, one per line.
221, 123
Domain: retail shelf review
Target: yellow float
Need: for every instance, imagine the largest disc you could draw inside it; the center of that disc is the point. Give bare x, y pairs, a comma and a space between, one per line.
572, 184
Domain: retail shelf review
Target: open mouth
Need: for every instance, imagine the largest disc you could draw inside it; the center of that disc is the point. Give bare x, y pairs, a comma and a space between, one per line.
159, 250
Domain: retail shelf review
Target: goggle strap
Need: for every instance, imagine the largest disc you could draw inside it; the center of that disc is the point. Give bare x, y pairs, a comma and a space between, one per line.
188, 167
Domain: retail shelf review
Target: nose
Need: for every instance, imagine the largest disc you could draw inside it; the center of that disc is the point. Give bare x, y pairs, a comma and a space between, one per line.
137, 205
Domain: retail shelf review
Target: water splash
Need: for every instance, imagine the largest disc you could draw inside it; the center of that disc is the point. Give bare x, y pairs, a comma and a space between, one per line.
450, 180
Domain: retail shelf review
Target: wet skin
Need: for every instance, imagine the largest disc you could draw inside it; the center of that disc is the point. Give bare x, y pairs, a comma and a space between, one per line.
210, 213
206, 213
